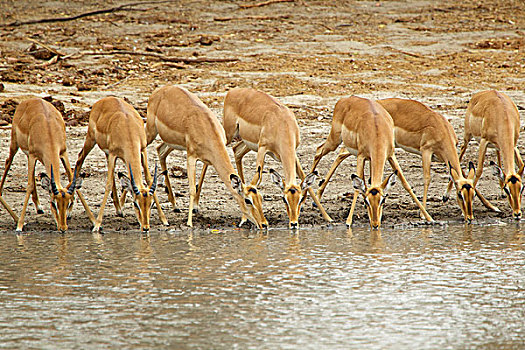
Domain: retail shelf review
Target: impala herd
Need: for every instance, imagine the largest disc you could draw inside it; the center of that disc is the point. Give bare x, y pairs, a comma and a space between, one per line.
256, 121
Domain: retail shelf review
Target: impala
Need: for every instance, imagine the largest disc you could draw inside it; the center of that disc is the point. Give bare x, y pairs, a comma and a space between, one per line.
265, 125
38, 129
367, 131
420, 130
185, 123
494, 119
117, 128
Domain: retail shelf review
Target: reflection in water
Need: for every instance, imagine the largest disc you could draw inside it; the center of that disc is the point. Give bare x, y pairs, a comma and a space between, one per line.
424, 288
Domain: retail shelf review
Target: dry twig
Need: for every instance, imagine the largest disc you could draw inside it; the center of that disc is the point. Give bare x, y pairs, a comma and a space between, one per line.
85, 14
264, 3
258, 18
156, 55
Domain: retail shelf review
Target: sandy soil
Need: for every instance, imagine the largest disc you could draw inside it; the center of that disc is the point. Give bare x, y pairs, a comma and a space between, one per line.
307, 53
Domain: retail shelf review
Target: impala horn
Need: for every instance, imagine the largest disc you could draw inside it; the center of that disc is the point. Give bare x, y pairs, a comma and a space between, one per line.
154, 183
71, 188
54, 188
132, 180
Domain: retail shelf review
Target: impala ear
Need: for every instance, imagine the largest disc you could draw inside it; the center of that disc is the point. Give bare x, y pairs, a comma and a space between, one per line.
124, 182
78, 183
308, 180
359, 184
497, 171
45, 182
277, 179
259, 171
236, 183
389, 182
471, 171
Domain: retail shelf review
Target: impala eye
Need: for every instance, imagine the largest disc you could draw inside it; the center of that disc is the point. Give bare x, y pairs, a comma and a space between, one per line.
382, 201
460, 196
136, 205
367, 203
506, 191
53, 204
248, 201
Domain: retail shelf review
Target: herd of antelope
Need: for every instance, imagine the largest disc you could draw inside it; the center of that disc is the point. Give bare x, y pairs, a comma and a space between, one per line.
254, 120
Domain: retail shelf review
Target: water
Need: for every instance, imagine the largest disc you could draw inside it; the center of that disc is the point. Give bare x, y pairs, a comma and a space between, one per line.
414, 288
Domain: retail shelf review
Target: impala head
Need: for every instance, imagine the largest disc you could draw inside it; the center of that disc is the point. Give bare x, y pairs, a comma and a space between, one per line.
251, 204
512, 185
61, 199
293, 195
465, 190
374, 197
142, 197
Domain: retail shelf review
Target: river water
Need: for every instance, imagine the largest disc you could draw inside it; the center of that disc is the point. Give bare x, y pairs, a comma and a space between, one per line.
457, 287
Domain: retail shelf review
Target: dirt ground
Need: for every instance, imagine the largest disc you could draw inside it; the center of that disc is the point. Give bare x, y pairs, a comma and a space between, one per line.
306, 53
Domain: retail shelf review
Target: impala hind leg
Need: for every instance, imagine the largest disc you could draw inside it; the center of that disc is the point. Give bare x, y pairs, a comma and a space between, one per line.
116, 200
343, 154
8, 208
239, 151
67, 166
31, 162
261, 154
34, 198
199, 187
13, 148
395, 165
328, 146
163, 151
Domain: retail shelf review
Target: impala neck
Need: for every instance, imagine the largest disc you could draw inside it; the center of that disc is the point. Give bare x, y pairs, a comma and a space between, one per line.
287, 155
506, 149
377, 166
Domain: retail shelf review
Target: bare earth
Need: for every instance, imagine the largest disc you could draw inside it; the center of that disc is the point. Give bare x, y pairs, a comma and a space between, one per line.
307, 53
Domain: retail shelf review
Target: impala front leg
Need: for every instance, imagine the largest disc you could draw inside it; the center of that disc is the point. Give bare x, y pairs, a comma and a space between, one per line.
361, 173
111, 174
426, 156
192, 163
149, 181
30, 186
479, 170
